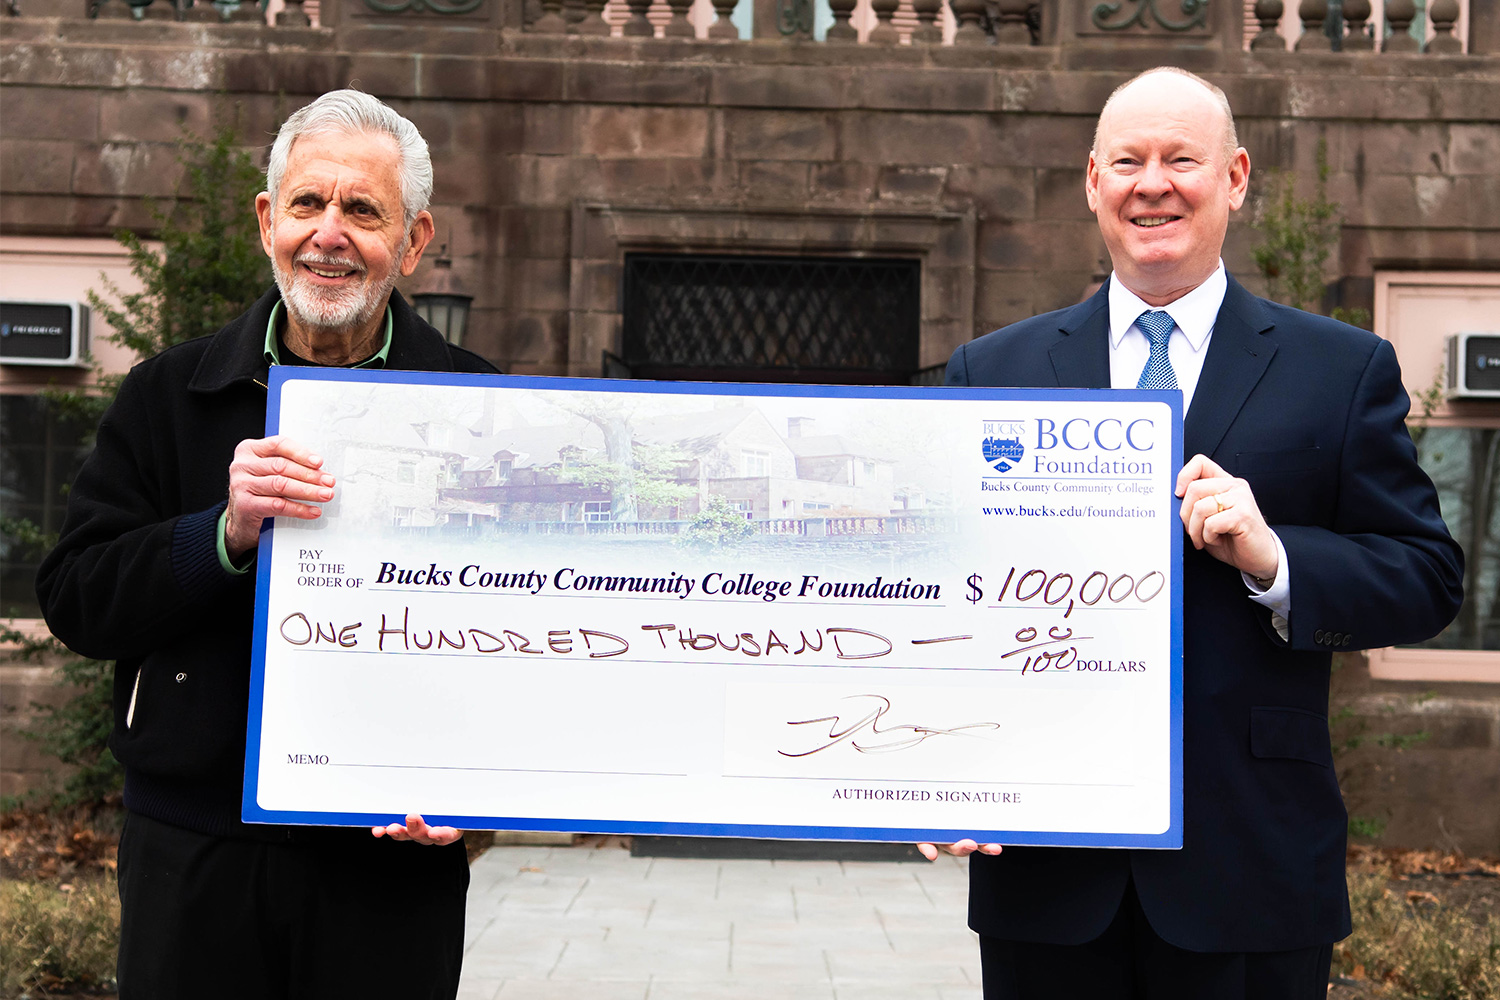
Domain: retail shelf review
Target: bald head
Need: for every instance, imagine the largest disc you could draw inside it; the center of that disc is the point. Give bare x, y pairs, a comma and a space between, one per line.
1168, 83
1164, 174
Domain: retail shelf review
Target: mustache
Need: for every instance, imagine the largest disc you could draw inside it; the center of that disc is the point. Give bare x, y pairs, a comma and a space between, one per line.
326, 260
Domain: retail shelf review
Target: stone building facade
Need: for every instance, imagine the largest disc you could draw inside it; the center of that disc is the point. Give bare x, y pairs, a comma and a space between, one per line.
559, 150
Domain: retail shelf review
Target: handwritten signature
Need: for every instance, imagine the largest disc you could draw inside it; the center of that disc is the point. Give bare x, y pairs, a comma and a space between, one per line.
869, 724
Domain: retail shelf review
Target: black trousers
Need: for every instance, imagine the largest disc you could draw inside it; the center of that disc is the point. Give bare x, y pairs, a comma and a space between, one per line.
326, 913
1129, 961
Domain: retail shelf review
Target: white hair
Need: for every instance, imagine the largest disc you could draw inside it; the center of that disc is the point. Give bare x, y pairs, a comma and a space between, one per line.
350, 112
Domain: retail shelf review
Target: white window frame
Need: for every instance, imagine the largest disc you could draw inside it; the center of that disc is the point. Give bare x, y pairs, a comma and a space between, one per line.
64, 269
1416, 311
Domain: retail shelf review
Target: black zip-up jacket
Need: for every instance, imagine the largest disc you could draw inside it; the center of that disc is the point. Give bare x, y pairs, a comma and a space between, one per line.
135, 576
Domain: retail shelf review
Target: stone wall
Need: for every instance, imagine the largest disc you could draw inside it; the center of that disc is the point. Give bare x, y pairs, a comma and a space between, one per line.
24, 685
555, 155
1426, 772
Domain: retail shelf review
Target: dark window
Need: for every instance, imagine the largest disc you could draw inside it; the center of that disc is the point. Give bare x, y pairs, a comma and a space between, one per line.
40, 453
850, 321
1464, 463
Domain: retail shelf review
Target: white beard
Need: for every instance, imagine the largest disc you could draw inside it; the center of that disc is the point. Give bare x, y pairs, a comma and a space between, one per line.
328, 308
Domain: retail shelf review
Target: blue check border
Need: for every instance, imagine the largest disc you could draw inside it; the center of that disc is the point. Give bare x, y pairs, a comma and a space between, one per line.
251, 811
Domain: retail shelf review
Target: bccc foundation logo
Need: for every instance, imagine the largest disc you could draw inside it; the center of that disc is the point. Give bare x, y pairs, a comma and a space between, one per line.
1077, 445
1002, 443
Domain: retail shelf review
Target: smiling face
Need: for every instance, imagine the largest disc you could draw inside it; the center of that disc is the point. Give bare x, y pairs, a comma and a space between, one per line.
337, 240
1162, 185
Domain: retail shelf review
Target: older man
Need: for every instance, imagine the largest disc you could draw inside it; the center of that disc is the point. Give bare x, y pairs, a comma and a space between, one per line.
1312, 529
151, 571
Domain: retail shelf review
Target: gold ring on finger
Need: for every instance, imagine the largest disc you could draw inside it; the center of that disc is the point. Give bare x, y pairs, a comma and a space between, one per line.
1222, 507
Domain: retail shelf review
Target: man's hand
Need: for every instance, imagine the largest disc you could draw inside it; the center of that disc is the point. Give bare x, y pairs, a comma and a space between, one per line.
417, 830
1220, 515
962, 849
271, 477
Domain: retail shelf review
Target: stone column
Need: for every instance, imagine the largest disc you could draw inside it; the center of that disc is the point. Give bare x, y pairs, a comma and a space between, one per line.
968, 13
1010, 27
1399, 15
884, 32
593, 22
680, 26
1357, 16
723, 28
293, 16
928, 32
552, 21
841, 30
1313, 14
1268, 13
1444, 15
636, 25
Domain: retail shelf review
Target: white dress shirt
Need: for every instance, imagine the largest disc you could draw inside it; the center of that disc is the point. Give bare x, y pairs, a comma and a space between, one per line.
1129, 350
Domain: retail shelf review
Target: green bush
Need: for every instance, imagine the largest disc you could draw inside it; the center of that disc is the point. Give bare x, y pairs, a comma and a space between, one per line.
718, 524
57, 939
76, 732
209, 270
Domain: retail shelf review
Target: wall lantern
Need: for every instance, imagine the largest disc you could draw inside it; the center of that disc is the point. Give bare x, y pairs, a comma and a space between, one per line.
443, 301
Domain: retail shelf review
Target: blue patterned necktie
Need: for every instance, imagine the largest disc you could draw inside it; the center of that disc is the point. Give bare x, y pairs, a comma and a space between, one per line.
1158, 374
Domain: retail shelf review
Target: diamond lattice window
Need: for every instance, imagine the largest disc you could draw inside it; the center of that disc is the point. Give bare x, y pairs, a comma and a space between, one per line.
853, 321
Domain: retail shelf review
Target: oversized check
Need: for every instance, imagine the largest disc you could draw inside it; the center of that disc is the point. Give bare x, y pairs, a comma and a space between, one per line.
711, 609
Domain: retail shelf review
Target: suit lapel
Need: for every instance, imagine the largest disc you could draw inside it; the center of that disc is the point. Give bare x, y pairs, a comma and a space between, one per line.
1237, 357
1081, 358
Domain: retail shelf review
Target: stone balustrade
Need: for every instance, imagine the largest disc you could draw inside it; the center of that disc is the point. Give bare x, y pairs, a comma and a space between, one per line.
874, 22
895, 524
1361, 28
281, 13
1357, 26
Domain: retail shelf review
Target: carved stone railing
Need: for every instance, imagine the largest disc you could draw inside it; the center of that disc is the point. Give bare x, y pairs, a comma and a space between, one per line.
281, 13
896, 524
871, 22
1268, 25
874, 22
1359, 27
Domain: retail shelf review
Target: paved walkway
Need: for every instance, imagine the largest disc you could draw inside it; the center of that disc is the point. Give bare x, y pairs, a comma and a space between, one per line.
593, 923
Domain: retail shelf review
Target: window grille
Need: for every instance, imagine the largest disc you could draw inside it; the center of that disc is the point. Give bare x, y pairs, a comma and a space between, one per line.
852, 321
42, 448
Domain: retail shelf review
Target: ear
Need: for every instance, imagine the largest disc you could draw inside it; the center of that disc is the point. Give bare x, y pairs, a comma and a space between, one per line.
422, 231
263, 216
1091, 183
1239, 178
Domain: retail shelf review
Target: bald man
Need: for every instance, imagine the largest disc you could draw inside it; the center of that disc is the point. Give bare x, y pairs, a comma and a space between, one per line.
1312, 529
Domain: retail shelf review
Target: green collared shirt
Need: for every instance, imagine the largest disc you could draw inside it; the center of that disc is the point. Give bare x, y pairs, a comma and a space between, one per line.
273, 357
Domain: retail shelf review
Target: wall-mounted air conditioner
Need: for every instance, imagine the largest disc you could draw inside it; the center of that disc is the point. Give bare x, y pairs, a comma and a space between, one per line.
44, 333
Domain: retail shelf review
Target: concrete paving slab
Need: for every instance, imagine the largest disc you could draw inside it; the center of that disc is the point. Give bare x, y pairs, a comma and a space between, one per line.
531, 989
734, 989
590, 922
478, 987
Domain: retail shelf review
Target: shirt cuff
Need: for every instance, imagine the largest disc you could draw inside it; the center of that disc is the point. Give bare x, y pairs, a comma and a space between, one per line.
227, 563
1278, 596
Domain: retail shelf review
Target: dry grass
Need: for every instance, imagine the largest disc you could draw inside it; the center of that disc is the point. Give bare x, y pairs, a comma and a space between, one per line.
1418, 935
57, 937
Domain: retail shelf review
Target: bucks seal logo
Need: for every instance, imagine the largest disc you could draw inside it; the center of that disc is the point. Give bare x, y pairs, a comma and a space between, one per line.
1003, 453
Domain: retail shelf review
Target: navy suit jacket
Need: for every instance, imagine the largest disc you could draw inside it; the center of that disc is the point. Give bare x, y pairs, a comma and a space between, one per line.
1311, 412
